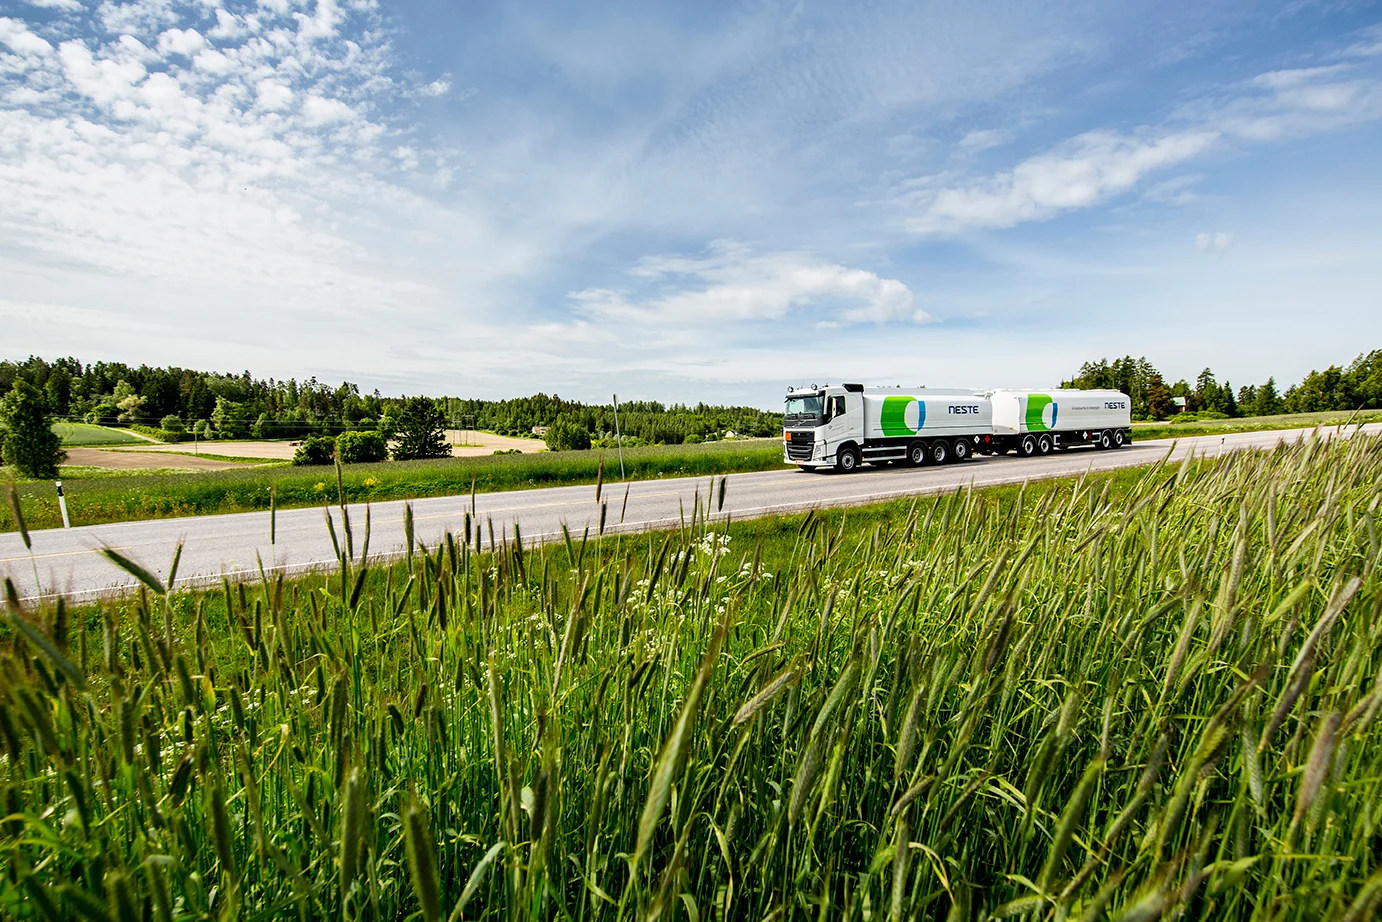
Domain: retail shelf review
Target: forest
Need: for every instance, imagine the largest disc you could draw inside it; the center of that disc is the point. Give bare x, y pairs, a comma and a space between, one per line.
1355, 386
236, 406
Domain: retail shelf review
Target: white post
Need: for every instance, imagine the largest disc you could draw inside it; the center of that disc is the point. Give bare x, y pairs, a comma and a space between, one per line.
62, 504
618, 439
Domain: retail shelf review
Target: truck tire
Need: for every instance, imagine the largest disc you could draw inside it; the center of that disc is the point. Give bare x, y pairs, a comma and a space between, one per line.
848, 459
1105, 440
1043, 444
1118, 440
916, 454
1028, 446
939, 452
960, 450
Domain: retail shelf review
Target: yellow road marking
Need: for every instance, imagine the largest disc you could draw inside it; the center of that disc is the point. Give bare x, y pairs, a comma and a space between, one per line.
94, 550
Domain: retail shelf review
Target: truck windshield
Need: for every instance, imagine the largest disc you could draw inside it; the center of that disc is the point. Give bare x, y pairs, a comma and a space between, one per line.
803, 411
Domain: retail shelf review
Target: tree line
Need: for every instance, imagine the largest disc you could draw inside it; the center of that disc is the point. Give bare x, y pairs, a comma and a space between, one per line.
1337, 388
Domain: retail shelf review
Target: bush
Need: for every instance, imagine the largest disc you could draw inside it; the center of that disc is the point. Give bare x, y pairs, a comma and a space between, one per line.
565, 435
358, 447
691, 439
163, 435
171, 423
319, 449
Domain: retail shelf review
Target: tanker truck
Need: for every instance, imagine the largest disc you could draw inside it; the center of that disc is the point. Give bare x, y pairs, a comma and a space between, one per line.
1038, 422
846, 425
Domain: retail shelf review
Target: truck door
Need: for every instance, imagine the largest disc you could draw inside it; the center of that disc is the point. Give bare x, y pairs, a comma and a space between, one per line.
837, 424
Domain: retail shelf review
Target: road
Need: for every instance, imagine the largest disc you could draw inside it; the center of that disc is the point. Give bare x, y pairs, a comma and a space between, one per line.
68, 561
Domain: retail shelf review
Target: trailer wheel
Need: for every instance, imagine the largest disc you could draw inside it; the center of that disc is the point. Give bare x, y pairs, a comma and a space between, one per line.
961, 449
1105, 440
940, 452
1043, 444
847, 459
1118, 439
916, 454
1027, 447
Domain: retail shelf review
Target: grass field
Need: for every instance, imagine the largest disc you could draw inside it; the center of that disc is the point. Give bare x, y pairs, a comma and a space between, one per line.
1145, 695
118, 499
1167, 429
84, 435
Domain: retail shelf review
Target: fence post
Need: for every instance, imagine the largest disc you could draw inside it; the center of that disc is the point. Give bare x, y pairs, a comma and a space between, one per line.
62, 504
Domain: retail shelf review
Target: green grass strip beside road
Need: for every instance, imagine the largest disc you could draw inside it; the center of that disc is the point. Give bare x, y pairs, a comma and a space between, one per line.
142, 496
1172, 429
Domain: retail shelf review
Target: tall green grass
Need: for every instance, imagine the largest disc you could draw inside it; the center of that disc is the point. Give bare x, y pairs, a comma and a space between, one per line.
142, 496
1146, 695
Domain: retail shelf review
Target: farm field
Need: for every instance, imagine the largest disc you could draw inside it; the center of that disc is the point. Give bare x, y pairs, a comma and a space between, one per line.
83, 434
1133, 695
240, 488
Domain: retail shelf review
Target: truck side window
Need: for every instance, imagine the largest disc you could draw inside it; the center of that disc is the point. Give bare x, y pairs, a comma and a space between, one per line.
837, 406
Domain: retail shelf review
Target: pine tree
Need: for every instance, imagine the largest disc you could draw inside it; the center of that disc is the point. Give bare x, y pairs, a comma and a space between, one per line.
421, 431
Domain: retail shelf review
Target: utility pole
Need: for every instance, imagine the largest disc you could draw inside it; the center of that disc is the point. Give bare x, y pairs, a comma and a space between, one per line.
618, 439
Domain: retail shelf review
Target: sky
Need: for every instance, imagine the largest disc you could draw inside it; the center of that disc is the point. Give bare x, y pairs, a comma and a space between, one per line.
690, 201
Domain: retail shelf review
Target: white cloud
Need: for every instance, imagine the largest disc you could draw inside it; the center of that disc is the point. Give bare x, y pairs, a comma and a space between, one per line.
1082, 172
1093, 167
439, 87
1213, 243
21, 41
273, 95
66, 6
185, 42
732, 285
319, 110
983, 139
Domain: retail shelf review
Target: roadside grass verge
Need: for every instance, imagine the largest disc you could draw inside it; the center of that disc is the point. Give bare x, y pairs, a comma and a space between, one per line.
1147, 694
142, 496
85, 435
1166, 429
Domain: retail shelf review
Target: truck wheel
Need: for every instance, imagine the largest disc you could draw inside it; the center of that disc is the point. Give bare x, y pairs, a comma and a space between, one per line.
1105, 440
1044, 444
847, 460
960, 449
1118, 440
940, 452
1028, 446
916, 454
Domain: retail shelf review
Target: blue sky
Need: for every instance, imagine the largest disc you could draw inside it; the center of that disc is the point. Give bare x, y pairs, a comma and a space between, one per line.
690, 201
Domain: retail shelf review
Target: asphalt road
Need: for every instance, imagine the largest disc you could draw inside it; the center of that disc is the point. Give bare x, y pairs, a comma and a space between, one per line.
68, 561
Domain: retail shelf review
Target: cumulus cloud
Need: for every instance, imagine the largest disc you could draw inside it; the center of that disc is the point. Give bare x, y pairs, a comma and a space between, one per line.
733, 284
1082, 172
66, 6
1213, 243
1093, 167
17, 37
147, 153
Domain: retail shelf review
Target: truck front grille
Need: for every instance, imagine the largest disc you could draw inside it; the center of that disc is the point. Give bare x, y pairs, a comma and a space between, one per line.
799, 445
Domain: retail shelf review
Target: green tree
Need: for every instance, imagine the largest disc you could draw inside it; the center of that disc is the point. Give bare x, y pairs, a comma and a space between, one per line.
230, 418
171, 423
127, 401
1158, 398
567, 435
27, 438
360, 447
421, 431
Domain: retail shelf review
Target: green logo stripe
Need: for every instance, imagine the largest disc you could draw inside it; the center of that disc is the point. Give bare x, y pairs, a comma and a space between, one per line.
893, 417
1036, 403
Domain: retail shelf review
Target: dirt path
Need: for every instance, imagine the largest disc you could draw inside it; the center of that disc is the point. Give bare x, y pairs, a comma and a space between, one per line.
121, 459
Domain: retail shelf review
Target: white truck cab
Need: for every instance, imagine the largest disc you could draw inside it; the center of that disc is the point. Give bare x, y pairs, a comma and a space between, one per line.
844, 425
